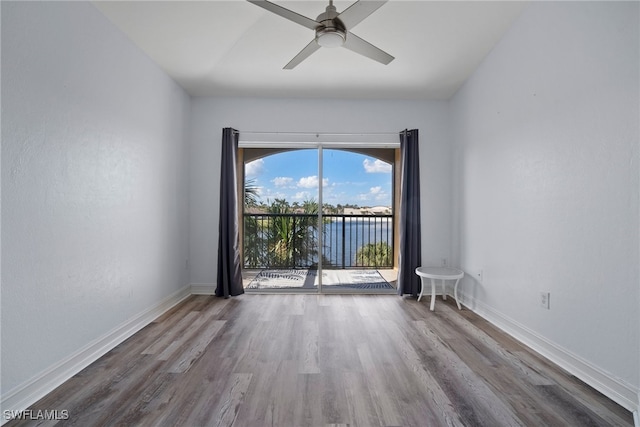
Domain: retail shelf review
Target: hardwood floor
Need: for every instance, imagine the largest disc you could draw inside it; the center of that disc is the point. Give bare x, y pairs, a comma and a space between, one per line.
332, 360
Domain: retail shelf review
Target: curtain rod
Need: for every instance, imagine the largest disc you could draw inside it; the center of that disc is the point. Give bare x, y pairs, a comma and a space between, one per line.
307, 139
319, 133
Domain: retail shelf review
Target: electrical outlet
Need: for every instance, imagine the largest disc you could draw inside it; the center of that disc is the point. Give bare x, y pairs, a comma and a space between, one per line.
544, 300
444, 262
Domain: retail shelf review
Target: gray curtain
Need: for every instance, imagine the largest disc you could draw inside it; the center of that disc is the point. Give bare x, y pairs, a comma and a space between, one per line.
229, 274
410, 235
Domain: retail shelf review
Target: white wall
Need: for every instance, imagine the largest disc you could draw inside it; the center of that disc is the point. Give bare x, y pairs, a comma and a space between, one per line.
320, 115
94, 184
546, 187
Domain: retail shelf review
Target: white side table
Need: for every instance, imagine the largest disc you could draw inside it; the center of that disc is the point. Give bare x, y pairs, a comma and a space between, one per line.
442, 273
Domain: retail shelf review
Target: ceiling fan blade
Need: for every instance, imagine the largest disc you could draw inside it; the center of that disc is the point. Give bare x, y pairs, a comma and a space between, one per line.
286, 13
355, 13
357, 45
304, 54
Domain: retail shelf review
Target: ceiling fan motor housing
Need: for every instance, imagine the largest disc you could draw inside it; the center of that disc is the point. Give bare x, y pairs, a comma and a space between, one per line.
331, 32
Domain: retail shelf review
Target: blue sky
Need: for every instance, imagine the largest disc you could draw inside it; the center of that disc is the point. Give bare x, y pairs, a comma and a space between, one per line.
349, 178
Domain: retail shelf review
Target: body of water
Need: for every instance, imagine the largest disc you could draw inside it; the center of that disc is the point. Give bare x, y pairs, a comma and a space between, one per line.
357, 233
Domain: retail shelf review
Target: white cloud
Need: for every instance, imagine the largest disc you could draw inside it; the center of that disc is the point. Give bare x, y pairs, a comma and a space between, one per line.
302, 195
376, 166
312, 182
375, 194
308, 182
255, 168
282, 181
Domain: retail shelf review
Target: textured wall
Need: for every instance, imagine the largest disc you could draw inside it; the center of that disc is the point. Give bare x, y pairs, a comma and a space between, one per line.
311, 115
546, 181
94, 183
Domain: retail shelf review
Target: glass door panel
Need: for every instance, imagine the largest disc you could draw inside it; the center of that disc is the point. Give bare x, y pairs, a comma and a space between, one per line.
358, 221
281, 244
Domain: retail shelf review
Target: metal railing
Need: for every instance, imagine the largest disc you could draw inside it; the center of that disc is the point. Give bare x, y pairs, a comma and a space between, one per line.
274, 240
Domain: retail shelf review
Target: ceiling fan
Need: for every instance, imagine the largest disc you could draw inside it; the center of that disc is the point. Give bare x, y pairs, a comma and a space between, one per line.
333, 29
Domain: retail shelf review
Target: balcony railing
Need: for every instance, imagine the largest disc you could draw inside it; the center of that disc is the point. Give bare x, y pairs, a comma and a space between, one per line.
292, 241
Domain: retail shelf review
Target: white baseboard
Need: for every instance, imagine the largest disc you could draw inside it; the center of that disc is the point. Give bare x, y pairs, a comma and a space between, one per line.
30, 392
203, 288
614, 388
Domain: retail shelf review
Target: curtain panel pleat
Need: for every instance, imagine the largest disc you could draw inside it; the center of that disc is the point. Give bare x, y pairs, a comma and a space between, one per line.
229, 280
410, 235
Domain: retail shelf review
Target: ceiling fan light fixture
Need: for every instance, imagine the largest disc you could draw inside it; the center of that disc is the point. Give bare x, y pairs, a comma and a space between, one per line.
330, 37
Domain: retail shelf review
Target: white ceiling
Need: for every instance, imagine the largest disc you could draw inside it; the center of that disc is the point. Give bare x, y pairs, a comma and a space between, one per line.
234, 48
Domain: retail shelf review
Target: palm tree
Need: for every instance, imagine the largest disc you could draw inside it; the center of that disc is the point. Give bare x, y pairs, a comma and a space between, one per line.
280, 234
374, 255
251, 236
290, 236
251, 195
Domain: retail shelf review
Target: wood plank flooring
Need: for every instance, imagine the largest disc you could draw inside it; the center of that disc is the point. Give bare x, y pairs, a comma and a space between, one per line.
324, 360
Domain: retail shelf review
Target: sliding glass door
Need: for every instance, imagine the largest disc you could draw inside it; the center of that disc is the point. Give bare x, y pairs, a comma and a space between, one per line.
318, 219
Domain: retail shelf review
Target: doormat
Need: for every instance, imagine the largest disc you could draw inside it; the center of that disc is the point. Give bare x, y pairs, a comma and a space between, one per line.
354, 279
308, 279
282, 279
